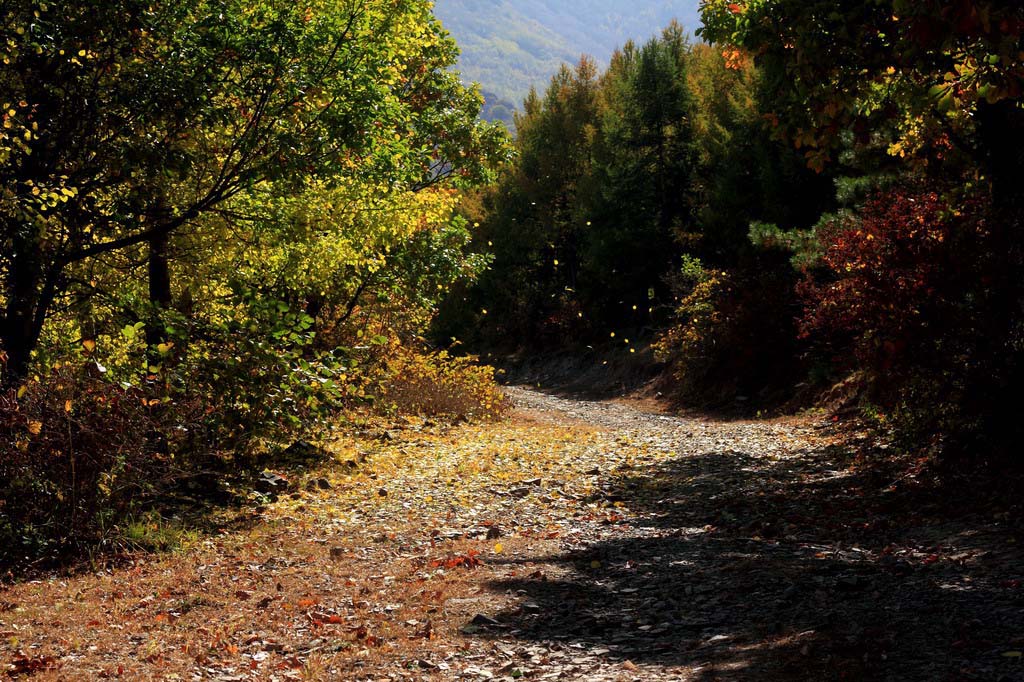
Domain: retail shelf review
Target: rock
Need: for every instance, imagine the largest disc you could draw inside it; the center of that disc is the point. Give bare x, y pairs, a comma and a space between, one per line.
450, 534
269, 482
480, 620
305, 451
531, 607
850, 583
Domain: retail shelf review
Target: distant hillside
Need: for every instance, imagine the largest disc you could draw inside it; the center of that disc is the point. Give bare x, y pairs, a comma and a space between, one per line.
509, 45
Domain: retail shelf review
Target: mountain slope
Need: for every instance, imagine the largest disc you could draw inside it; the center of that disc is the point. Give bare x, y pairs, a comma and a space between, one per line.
510, 45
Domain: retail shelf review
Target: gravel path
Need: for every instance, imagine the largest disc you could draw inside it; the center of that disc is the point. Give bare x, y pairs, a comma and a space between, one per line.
576, 541
757, 550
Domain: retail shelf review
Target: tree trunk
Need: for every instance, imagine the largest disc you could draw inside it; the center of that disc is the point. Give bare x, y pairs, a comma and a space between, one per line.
160, 296
1001, 129
22, 321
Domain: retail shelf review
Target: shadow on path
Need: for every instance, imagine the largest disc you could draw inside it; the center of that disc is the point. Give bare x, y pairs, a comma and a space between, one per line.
740, 567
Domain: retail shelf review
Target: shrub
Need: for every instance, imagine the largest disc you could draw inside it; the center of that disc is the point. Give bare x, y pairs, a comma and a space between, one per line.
259, 376
733, 335
438, 384
886, 274
78, 454
915, 290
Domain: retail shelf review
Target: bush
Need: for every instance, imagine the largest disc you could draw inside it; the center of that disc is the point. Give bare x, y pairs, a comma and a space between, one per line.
916, 290
886, 273
260, 377
438, 384
77, 455
733, 335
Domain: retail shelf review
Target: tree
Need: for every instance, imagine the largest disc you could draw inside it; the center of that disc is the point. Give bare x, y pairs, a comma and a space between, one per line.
896, 67
530, 219
923, 284
643, 165
130, 122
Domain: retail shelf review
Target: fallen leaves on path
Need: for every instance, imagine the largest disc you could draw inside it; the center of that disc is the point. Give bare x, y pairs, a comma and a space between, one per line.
576, 541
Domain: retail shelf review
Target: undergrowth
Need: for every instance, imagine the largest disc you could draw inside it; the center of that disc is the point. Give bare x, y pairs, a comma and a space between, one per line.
441, 385
88, 465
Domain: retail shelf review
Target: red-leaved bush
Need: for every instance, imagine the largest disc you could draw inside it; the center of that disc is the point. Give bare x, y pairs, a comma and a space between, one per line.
913, 290
890, 271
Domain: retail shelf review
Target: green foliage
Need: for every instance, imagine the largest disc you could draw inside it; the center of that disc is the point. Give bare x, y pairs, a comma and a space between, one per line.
261, 378
530, 223
641, 170
232, 212
631, 191
152, 533
203, 105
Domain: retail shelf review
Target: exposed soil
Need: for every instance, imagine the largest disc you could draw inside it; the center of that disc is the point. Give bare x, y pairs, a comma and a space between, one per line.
577, 541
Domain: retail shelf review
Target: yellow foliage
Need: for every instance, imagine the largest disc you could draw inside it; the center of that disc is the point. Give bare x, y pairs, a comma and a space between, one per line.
438, 384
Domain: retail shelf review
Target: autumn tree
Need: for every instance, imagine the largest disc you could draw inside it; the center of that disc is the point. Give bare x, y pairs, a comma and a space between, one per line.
924, 73
128, 124
919, 276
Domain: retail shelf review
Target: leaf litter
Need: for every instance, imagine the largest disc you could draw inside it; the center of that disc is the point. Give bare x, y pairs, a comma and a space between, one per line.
578, 540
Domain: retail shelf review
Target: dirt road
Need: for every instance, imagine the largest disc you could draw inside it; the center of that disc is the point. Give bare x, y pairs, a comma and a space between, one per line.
576, 541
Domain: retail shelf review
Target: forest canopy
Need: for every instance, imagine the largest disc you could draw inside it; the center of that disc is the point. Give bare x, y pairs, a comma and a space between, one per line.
226, 223
227, 212
817, 193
